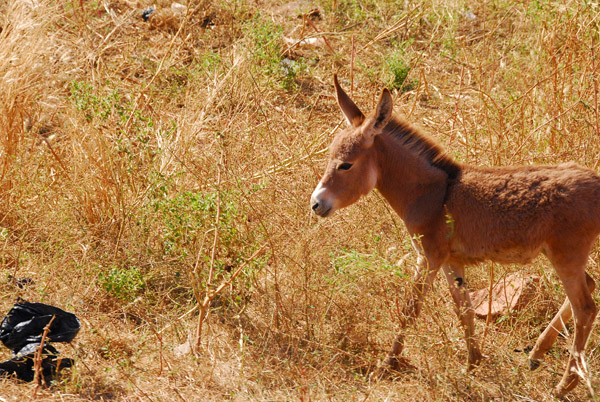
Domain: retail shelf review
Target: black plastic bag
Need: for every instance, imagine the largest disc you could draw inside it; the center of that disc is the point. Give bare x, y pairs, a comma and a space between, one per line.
22, 331
23, 367
147, 13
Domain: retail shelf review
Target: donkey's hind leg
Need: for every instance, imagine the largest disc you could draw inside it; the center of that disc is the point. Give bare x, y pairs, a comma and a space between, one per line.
569, 261
464, 310
584, 313
548, 337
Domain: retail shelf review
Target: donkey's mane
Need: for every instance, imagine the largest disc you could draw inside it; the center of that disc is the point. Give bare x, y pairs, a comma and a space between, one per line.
412, 138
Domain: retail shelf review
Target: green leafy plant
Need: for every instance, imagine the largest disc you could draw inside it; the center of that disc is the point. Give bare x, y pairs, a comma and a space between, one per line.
400, 71
86, 99
352, 264
122, 283
189, 216
265, 38
289, 70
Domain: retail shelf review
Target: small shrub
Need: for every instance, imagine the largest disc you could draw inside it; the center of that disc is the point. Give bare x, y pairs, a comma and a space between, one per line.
289, 70
122, 283
265, 37
352, 264
85, 98
400, 71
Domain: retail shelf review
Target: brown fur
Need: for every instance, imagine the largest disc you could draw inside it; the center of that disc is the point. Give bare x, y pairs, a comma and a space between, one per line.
464, 214
411, 138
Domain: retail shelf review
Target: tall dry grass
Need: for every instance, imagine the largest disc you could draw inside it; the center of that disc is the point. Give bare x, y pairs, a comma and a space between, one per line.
22, 67
144, 162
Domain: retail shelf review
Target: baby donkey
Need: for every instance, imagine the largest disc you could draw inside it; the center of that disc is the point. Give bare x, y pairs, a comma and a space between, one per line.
464, 214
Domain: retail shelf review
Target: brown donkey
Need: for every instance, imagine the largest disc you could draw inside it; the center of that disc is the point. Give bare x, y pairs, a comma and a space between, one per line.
465, 214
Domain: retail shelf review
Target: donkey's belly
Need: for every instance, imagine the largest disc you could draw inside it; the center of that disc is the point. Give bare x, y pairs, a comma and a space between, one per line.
470, 254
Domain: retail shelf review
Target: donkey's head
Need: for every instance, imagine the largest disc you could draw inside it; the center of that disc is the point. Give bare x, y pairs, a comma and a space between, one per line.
352, 169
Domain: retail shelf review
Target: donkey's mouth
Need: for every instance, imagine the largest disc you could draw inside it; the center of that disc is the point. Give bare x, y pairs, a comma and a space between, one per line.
321, 210
325, 213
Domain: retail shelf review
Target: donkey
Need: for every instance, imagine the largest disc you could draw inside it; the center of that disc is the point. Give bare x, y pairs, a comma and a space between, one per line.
464, 214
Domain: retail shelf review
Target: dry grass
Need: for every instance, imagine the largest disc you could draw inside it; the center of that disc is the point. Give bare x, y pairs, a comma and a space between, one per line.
143, 162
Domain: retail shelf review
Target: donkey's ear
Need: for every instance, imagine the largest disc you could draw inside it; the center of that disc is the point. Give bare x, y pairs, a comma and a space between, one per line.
349, 108
383, 113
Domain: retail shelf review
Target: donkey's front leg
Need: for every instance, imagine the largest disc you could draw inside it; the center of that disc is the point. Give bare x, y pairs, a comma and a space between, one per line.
427, 269
455, 275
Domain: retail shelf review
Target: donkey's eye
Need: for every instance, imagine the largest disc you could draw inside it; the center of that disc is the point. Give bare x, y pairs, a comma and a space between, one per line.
344, 166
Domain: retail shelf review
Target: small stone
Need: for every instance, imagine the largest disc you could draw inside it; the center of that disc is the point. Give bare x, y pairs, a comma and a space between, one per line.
509, 294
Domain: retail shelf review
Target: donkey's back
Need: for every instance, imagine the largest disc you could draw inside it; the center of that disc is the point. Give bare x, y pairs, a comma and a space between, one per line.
510, 214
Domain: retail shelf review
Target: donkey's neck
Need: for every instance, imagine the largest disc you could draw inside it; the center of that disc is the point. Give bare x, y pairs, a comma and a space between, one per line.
410, 180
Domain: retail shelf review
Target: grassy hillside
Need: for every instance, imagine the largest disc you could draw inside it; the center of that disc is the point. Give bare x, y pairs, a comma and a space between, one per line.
142, 163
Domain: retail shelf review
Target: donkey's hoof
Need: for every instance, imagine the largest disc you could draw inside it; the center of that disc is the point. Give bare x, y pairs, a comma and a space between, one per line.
475, 358
534, 364
560, 393
392, 367
566, 385
380, 373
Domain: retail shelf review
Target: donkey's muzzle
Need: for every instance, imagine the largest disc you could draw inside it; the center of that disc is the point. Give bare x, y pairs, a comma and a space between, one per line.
320, 208
318, 203
315, 206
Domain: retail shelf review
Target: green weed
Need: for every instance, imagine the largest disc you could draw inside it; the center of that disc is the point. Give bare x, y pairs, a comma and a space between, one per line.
289, 70
190, 216
400, 71
265, 39
93, 106
122, 283
351, 264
